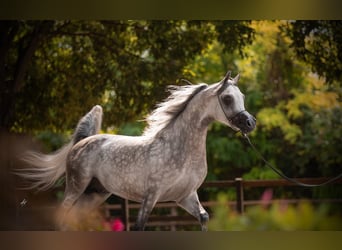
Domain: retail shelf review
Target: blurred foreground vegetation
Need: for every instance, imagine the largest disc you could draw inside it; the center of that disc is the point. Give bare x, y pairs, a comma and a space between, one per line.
275, 216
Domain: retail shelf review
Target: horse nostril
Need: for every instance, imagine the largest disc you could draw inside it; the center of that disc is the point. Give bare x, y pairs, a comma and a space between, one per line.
249, 123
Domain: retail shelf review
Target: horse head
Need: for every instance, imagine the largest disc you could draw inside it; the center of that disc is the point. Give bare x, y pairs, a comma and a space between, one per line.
231, 103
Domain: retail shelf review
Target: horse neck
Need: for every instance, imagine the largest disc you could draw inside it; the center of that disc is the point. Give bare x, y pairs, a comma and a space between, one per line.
191, 126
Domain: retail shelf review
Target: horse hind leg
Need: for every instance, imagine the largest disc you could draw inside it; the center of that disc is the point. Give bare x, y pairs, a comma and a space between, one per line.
75, 186
192, 205
64, 209
83, 213
81, 201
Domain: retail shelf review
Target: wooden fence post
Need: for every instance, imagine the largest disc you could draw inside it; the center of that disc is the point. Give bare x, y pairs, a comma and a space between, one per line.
125, 210
239, 195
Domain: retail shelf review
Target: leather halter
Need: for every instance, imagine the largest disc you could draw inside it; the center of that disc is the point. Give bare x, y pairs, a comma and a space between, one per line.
229, 118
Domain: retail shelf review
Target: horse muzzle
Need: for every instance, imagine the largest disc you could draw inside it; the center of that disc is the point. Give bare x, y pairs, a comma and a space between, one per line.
244, 121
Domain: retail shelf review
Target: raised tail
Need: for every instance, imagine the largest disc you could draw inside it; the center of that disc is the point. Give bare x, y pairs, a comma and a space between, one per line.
45, 169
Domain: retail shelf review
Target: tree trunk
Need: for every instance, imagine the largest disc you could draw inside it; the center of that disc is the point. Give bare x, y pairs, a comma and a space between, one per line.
8, 30
12, 77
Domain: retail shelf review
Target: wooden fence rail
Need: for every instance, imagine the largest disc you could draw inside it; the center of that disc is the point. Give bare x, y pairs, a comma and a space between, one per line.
239, 184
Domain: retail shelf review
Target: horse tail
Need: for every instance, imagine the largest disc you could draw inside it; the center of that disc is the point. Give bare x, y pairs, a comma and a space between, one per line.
46, 169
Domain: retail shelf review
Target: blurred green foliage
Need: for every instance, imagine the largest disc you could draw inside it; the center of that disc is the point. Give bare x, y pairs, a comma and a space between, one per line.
278, 216
54, 71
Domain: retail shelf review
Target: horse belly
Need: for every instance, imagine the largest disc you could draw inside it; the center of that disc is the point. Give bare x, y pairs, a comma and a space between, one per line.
124, 186
181, 189
125, 183
121, 168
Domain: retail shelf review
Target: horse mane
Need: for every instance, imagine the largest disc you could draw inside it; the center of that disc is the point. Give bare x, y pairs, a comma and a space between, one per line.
168, 110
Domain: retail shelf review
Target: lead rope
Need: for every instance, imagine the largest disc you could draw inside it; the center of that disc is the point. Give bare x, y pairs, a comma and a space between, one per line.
283, 175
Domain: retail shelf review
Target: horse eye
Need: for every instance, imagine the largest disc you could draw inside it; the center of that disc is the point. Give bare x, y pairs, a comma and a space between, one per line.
227, 99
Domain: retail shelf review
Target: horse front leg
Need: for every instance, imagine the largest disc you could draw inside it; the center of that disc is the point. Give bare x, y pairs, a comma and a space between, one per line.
192, 205
144, 212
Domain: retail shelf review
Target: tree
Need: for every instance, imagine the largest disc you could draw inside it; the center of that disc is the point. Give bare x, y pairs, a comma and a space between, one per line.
52, 72
318, 43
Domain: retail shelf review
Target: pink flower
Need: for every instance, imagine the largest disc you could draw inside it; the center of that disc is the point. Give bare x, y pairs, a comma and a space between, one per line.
117, 225
266, 197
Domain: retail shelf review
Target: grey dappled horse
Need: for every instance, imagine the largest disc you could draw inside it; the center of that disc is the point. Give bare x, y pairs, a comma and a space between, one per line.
167, 163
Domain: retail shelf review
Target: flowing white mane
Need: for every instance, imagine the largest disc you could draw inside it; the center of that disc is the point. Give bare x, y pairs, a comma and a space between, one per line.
167, 111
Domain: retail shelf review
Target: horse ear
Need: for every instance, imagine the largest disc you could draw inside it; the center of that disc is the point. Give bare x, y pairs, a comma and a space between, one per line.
226, 78
236, 79
224, 83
